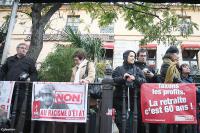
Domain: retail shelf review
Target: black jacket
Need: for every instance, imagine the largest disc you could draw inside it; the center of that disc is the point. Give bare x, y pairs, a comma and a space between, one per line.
14, 66
155, 78
188, 79
117, 76
142, 65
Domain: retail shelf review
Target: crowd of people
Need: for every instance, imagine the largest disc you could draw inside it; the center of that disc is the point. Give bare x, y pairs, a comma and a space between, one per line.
84, 70
131, 74
136, 70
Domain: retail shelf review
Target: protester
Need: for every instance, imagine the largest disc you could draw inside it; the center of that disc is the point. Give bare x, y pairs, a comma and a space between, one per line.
185, 73
127, 75
84, 71
18, 66
186, 78
170, 67
149, 72
47, 98
151, 77
170, 71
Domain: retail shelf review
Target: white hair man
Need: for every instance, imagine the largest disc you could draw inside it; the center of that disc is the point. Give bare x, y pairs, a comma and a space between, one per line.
17, 65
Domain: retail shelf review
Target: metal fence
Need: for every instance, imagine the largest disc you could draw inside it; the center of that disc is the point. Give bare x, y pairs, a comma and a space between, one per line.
99, 115
20, 115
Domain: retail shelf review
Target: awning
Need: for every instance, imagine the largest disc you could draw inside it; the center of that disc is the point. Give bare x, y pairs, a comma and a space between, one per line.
108, 45
190, 46
149, 46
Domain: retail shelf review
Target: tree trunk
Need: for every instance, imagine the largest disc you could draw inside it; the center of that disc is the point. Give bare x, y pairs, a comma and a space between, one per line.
2, 43
38, 25
37, 32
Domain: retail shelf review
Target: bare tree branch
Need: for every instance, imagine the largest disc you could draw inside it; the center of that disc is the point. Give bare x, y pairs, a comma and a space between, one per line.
59, 31
52, 10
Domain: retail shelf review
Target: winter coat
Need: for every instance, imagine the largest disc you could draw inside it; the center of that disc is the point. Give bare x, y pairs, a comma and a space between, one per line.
120, 83
155, 78
14, 66
174, 74
83, 75
188, 79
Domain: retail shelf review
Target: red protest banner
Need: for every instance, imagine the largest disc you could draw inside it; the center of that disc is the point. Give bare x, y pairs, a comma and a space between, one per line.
168, 103
59, 101
6, 91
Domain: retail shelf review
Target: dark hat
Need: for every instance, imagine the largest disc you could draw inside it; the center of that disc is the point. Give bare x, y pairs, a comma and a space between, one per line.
172, 49
126, 53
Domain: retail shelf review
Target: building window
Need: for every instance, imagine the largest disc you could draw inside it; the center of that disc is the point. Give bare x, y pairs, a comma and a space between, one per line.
108, 47
108, 54
107, 29
151, 60
190, 57
184, 25
73, 22
6, 2
151, 49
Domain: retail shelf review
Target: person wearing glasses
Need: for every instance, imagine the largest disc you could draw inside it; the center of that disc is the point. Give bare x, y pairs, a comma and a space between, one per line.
149, 72
18, 65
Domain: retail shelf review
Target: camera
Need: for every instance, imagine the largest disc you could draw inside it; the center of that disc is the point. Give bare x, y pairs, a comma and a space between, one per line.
148, 71
23, 76
126, 77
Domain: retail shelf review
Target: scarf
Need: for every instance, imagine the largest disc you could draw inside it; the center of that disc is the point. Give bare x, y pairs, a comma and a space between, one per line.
77, 75
172, 71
